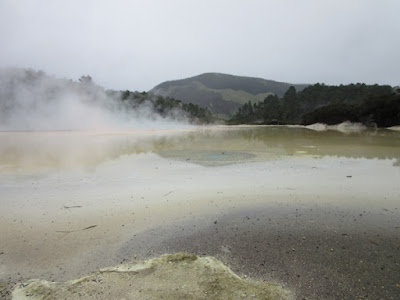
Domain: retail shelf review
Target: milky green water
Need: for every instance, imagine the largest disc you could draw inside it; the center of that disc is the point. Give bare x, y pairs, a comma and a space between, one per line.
210, 146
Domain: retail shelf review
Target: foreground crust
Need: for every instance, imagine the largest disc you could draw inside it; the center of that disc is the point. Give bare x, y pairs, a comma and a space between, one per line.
170, 276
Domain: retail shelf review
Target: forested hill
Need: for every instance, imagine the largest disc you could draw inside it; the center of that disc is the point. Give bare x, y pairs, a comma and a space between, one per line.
373, 105
221, 93
29, 98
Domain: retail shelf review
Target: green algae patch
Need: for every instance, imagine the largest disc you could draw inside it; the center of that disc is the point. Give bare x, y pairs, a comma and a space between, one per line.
170, 276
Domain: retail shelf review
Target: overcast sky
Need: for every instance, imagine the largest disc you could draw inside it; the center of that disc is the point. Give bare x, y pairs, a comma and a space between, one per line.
138, 44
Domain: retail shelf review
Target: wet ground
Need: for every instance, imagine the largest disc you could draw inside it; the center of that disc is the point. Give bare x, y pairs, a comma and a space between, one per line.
316, 251
317, 212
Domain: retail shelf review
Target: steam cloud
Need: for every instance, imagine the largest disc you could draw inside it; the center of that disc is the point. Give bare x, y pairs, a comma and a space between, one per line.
33, 101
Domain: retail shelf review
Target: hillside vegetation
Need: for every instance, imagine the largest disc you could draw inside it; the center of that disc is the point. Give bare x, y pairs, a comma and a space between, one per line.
165, 106
32, 99
373, 105
221, 93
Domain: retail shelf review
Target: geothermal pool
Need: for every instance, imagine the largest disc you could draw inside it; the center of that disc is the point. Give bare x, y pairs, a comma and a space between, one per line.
317, 212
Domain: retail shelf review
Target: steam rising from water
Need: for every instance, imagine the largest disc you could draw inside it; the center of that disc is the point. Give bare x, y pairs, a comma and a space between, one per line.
33, 101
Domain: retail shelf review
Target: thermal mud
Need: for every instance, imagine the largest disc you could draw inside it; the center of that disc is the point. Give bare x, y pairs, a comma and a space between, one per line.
316, 251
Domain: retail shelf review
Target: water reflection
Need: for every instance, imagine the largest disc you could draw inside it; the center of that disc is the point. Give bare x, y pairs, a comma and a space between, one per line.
276, 142
32, 151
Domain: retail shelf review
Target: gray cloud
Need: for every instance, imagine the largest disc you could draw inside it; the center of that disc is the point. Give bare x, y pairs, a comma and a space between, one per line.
138, 44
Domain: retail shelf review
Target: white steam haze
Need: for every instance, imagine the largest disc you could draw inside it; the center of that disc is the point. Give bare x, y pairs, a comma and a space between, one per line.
31, 100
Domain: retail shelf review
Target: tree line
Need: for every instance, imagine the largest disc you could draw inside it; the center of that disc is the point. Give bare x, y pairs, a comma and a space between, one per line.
373, 105
165, 106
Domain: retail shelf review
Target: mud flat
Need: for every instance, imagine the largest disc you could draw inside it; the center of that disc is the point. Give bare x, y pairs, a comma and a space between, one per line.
316, 251
314, 212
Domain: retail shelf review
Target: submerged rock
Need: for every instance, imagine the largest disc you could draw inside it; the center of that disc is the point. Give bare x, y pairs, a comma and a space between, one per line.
170, 276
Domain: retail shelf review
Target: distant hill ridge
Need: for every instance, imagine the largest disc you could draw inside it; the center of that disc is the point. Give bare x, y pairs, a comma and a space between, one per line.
222, 93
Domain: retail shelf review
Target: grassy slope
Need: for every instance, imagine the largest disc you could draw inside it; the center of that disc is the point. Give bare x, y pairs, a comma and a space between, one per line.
241, 96
221, 93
